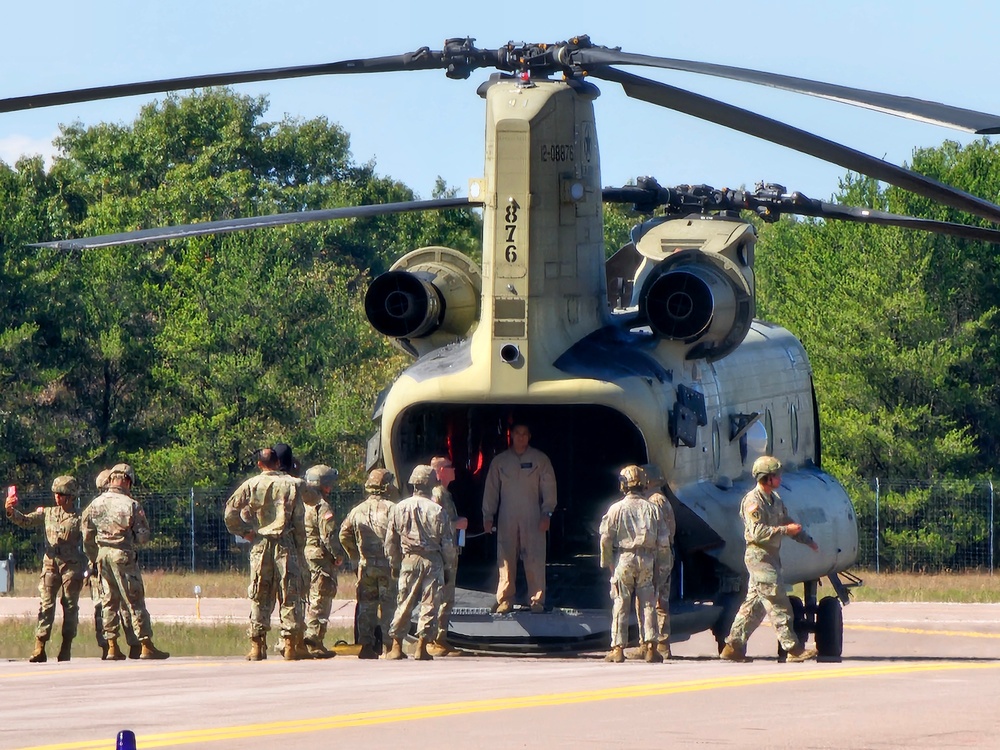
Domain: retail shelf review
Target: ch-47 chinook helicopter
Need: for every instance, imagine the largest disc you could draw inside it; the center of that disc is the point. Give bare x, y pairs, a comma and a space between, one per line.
654, 356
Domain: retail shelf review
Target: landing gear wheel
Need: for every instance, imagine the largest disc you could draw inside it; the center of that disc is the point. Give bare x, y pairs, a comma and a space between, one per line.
829, 629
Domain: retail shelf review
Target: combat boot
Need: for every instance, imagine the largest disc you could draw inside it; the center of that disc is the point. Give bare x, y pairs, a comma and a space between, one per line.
386, 649
800, 653
64, 649
616, 655
735, 653
367, 652
301, 650
441, 647
317, 650
396, 652
258, 649
114, 653
664, 648
135, 651
288, 649
503, 608
420, 652
38, 655
652, 656
149, 651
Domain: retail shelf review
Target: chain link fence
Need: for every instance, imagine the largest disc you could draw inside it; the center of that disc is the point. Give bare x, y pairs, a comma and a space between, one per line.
188, 530
903, 526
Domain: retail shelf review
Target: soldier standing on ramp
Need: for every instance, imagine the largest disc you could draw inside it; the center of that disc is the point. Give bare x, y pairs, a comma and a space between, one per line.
63, 564
522, 484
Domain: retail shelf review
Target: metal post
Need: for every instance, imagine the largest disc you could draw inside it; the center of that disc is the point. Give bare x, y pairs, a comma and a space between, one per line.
992, 509
192, 529
877, 488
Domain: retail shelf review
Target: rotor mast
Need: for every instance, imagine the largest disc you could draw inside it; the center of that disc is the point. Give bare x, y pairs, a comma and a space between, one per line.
543, 251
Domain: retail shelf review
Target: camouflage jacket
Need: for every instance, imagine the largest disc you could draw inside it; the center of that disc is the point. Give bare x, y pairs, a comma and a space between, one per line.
764, 518
443, 498
633, 523
63, 538
270, 505
113, 519
418, 526
666, 509
321, 533
363, 532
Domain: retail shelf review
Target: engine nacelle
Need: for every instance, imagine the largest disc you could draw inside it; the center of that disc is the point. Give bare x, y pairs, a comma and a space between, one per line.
695, 283
428, 298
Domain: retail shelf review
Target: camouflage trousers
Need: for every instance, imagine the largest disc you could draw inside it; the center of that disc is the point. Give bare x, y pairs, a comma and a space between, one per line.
633, 575
447, 602
96, 596
764, 597
60, 580
664, 568
275, 576
122, 589
376, 603
322, 590
420, 580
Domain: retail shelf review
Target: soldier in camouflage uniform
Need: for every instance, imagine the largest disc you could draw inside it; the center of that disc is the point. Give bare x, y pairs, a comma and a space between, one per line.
322, 554
665, 558
268, 511
420, 545
94, 582
63, 564
446, 475
633, 535
765, 521
363, 538
113, 525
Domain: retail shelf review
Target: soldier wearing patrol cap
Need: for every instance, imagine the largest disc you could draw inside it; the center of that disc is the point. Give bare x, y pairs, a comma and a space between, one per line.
363, 538
654, 492
765, 522
63, 563
420, 545
113, 525
323, 556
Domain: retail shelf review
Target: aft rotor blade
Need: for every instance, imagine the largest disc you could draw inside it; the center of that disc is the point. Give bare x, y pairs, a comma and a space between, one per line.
922, 110
782, 134
185, 231
419, 60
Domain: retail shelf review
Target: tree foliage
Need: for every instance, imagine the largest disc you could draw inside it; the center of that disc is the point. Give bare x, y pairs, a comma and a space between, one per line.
184, 357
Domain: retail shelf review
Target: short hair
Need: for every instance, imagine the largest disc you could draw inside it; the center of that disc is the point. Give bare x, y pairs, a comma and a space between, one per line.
439, 462
267, 458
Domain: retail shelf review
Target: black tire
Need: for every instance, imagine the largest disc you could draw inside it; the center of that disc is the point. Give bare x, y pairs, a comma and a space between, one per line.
830, 628
799, 624
730, 606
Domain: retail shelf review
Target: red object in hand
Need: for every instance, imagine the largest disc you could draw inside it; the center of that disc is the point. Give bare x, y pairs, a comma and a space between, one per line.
11, 491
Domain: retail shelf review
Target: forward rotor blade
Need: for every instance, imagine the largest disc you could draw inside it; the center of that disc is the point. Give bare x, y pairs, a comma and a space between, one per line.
910, 108
255, 222
869, 216
777, 132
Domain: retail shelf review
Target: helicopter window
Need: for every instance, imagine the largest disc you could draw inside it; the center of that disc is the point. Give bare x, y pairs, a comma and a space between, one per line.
793, 418
716, 444
769, 429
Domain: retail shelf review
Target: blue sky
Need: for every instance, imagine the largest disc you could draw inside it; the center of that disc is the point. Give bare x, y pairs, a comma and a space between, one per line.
417, 126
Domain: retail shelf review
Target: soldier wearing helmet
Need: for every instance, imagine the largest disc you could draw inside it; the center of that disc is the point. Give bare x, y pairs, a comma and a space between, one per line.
420, 545
323, 557
665, 557
114, 525
102, 482
63, 563
633, 535
363, 537
765, 522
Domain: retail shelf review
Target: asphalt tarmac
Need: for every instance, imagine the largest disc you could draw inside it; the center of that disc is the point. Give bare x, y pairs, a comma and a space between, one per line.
913, 676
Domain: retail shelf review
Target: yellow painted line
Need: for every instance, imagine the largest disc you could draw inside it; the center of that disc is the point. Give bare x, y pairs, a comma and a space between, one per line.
464, 708
922, 631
